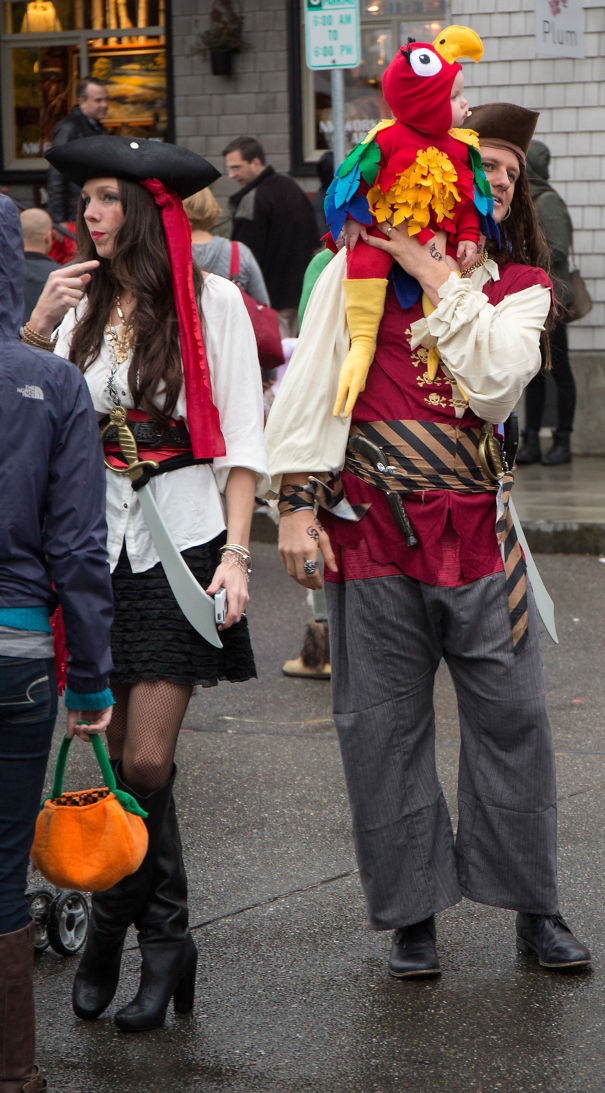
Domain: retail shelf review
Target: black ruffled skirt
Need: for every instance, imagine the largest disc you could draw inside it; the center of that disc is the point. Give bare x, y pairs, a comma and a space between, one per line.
151, 639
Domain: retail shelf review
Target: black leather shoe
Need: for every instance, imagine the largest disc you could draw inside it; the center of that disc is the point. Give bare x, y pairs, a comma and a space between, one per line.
549, 938
413, 950
560, 452
529, 452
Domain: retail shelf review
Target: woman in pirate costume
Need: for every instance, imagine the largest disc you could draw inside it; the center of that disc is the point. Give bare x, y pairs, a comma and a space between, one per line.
426, 566
130, 311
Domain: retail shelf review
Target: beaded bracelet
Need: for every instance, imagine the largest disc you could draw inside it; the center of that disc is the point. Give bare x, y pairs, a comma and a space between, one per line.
31, 337
238, 556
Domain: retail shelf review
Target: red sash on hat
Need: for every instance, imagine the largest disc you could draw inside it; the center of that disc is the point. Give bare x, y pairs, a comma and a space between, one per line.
202, 415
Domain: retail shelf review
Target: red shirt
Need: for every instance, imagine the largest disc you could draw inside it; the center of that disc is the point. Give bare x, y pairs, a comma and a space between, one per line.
456, 531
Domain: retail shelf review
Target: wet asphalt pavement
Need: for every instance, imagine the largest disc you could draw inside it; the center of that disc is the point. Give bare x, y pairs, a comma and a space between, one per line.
292, 989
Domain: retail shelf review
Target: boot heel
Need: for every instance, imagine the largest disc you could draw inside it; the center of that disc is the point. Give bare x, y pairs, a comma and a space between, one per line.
523, 947
184, 994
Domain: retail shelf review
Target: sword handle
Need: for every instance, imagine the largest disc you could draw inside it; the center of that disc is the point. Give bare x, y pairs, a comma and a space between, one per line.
118, 419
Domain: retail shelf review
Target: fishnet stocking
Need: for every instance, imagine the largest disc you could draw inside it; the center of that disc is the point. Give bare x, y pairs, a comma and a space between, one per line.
144, 730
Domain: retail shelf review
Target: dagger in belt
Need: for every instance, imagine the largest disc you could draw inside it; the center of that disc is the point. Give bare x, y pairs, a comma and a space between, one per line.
379, 462
196, 605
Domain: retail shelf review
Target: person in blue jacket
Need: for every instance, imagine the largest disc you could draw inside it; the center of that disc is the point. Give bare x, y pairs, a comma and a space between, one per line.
52, 550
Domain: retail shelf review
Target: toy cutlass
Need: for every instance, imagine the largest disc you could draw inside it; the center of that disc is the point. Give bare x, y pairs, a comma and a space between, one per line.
196, 605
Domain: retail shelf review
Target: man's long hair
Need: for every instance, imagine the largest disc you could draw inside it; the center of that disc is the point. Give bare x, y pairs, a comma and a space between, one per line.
522, 239
140, 265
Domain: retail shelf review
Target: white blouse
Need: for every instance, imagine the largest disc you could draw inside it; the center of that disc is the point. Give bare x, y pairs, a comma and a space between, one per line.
189, 499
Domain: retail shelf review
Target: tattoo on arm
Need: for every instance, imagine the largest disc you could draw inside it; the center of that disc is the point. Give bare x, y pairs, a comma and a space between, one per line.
313, 533
434, 253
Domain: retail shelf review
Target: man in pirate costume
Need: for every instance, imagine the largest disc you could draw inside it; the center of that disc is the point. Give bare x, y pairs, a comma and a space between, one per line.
182, 413
426, 566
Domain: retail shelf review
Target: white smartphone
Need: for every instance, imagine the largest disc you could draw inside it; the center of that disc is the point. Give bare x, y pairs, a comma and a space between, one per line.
220, 606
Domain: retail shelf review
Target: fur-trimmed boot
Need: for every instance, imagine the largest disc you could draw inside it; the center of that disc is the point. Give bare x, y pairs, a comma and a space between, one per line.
314, 659
17, 1029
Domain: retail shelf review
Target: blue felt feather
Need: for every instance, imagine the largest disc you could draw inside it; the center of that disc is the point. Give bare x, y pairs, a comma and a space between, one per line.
407, 288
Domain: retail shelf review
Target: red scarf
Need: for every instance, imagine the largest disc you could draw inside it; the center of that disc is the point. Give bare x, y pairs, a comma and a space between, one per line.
202, 415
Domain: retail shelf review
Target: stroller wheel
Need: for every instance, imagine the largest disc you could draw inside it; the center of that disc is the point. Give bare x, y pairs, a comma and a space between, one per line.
39, 902
68, 922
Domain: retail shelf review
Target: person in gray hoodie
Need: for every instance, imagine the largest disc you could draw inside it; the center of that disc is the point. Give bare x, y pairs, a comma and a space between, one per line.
556, 224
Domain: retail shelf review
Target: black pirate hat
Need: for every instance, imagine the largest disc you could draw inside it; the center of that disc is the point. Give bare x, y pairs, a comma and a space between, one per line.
504, 125
179, 169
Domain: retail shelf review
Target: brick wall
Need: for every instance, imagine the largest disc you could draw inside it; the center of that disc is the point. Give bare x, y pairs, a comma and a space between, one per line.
570, 95
211, 110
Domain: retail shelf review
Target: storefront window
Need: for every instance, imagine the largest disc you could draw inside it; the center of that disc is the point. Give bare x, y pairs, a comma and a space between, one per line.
46, 49
385, 24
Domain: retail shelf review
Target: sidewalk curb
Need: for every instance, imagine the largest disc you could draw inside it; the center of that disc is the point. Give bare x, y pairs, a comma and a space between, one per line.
564, 537
543, 536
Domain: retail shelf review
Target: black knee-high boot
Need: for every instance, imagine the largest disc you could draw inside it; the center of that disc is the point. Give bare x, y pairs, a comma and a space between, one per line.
167, 947
114, 910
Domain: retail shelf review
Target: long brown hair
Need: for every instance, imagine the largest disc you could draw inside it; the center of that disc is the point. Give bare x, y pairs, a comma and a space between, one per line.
522, 240
521, 236
141, 266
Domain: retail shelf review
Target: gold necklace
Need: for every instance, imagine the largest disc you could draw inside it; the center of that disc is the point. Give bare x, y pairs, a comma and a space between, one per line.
120, 342
482, 259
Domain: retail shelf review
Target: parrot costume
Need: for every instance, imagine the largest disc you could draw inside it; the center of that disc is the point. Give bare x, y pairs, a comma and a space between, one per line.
413, 168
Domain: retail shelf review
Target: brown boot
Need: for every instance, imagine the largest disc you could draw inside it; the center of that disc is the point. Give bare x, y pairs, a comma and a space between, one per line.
17, 1035
314, 660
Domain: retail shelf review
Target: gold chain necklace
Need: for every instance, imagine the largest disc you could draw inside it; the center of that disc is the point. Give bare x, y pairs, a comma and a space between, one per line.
482, 259
120, 342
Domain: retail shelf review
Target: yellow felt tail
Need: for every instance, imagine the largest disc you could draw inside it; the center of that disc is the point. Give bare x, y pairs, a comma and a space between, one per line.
434, 360
364, 305
433, 357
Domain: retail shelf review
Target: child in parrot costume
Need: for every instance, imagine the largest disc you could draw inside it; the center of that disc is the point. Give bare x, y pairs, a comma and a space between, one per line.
416, 168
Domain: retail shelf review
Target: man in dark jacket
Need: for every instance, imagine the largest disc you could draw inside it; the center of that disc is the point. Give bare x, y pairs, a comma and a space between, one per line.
273, 217
555, 221
52, 550
37, 228
84, 121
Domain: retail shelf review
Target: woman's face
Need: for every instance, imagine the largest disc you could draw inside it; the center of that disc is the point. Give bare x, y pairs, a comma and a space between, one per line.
502, 170
103, 213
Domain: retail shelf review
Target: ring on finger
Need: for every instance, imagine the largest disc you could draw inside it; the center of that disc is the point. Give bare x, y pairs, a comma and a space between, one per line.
310, 567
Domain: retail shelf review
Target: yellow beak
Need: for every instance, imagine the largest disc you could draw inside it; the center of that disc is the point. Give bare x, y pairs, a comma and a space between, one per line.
455, 42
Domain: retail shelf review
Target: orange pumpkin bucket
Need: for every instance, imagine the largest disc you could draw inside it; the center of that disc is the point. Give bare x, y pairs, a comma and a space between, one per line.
92, 838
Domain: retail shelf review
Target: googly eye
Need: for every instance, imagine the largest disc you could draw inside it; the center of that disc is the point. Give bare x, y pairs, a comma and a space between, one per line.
425, 63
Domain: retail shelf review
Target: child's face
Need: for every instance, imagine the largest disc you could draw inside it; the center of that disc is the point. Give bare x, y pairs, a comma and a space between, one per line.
459, 103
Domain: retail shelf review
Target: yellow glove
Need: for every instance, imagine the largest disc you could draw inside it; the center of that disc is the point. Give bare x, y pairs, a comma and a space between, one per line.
364, 307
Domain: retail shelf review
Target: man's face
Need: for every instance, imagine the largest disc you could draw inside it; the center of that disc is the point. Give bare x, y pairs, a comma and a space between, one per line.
95, 102
242, 171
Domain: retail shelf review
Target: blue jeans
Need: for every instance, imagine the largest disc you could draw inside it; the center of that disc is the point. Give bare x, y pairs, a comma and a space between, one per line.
28, 710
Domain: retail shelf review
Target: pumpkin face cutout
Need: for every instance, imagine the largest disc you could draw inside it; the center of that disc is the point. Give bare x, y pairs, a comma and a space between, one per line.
89, 839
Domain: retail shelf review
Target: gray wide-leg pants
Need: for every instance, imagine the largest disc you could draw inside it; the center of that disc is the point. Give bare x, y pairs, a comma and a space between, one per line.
387, 636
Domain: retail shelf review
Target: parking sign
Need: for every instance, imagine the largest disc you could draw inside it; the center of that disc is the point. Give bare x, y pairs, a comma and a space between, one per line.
332, 31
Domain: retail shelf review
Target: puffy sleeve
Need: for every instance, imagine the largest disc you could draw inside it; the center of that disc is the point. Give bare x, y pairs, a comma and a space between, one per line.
492, 350
66, 329
236, 379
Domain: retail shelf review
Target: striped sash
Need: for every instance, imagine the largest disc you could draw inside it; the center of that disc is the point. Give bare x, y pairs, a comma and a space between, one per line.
422, 455
427, 455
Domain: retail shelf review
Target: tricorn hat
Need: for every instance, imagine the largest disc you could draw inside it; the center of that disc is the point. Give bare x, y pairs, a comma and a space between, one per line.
504, 125
134, 158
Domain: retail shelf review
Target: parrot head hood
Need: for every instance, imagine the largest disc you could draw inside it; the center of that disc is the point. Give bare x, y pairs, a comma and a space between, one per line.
417, 84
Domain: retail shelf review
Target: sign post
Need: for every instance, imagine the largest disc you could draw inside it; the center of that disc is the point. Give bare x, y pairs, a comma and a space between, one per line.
333, 42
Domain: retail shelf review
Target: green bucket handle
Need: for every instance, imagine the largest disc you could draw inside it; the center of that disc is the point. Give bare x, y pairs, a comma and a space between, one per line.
126, 799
